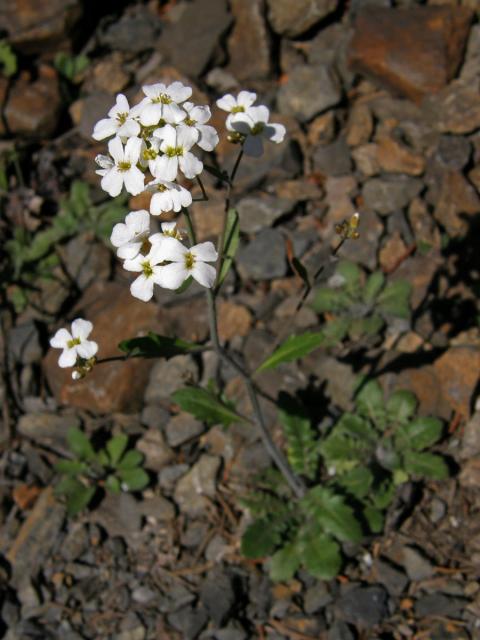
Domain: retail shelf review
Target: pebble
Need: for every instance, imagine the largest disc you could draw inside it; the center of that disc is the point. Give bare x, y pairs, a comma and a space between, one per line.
386, 195
137, 30
189, 621
316, 598
364, 606
182, 428
333, 159
393, 578
294, 18
218, 595
24, 343
200, 481
340, 631
256, 213
169, 375
264, 257
155, 449
417, 565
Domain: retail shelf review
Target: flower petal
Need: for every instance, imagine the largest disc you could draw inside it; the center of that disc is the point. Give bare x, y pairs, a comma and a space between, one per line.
172, 113
172, 276
174, 250
178, 91
132, 150
87, 349
166, 168
67, 358
112, 182
115, 149
190, 165
208, 137
274, 132
227, 102
186, 137
259, 114
134, 180
246, 98
104, 128
142, 288
204, 274
60, 339
81, 328
151, 114
129, 251
205, 251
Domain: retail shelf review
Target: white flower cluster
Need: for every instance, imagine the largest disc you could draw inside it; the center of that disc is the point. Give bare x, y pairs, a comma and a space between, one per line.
77, 351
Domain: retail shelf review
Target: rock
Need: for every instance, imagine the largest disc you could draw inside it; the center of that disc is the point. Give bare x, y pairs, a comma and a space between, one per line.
136, 31
89, 110
231, 633
291, 19
393, 578
75, 543
216, 549
456, 198
453, 152
264, 257
167, 376
364, 606
417, 565
457, 370
330, 46
471, 437
386, 195
47, 429
425, 385
182, 428
33, 108
39, 26
414, 51
338, 378
199, 482
249, 42
359, 125
191, 41
188, 621
439, 604
309, 90
156, 451
396, 158
217, 595
86, 260
470, 473
233, 320
114, 386
158, 508
256, 212
366, 159
321, 130
154, 416
169, 476
316, 597
340, 631
24, 344
120, 515
393, 250
455, 109
333, 159
469, 71
423, 224
107, 75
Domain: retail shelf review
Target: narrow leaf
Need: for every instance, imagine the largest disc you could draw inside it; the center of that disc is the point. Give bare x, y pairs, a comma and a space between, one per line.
230, 246
373, 286
302, 448
131, 459
70, 467
205, 406
116, 447
374, 518
370, 402
156, 346
357, 481
293, 348
329, 300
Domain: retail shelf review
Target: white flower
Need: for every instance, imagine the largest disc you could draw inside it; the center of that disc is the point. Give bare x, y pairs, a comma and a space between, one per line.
186, 262
167, 196
255, 126
129, 237
75, 344
105, 162
149, 269
149, 154
241, 104
124, 168
176, 144
161, 103
197, 116
168, 230
120, 122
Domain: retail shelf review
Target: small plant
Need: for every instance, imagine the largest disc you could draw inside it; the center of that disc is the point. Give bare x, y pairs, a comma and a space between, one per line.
114, 468
8, 59
366, 456
71, 67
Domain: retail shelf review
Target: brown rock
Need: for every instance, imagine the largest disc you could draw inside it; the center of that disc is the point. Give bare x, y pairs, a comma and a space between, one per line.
322, 129
365, 158
457, 197
474, 177
471, 437
114, 386
249, 41
392, 251
294, 18
39, 26
414, 51
108, 75
155, 449
458, 372
396, 158
419, 271
425, 385
423, 225
208, 217
233, 320
359, 125
470, 474
33, 108
456, 109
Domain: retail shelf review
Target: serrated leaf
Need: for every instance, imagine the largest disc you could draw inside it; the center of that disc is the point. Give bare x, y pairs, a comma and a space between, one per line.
302, 449
205, 406
428, 465
156, 346
284, 563
293, 348
357, 481
370, 402
383, 495
374, 518
373, 286
133, 479
320, 555
71, 467
131, 459
230, 245
329, 300
394, 299
423, 432
116, 447
401, 406
80, 444
332, 514
260, 539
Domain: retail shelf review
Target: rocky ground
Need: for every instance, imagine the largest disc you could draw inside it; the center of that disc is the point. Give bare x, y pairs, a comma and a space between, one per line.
381, 102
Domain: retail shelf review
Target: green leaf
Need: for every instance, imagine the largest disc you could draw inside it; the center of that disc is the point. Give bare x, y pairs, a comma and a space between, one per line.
330, 511
394, 299
71, 467
133, 479
321, 556
131, 459
370, 402
77, 494
230, 244
373, 286
401, 406
284, 563
351, 273
302, 449
357, 481
205, 406
103, 458
423, 432
80, 444
383, 495
329, 300
156, 346
8, 59
260, 539
70, 66
107, 216
112, 483
374, 518
116, 447
293, 348
369, 326
335, 330
426, 464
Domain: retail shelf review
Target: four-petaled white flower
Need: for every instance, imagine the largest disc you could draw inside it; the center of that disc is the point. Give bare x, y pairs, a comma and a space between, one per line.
149, 268
124, 169
175, 146
241, 104
185, 262
75, 344
197, 116
161, 103
130, 236
168, 196
255, 126
121, 121
169, 230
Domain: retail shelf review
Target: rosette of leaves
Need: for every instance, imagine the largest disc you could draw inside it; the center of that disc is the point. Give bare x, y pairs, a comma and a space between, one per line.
360, 305
383, 444
114, 468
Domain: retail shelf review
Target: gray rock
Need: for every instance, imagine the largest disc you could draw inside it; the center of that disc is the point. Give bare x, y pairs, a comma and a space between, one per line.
217, 595
340, 631
199, 482
364, 606
136, 31
94, 107
157, 507
75, 543
316, 598
154, 416
168, 476
264, 257
470, 446
308, 91
386, 195
216, 548
453, 152
258, 212
24, 343
156, 451
294, 18
120, 515
143, 595
194, 534
393, 578
230, 633
471, 66
48, 429
169, 375
182, 428
437, 510
439, 604
188, 621
86, 260
417, 566
333, 159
